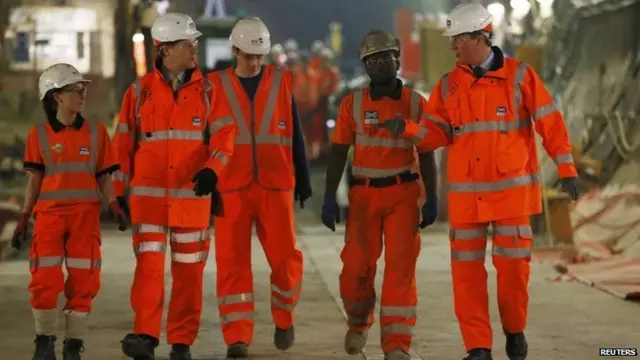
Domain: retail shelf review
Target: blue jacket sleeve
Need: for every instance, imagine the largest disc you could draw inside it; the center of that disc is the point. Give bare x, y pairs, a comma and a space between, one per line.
299, 150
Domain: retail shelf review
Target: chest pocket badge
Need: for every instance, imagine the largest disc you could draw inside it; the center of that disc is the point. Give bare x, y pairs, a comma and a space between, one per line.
84, 150
196, 121
281, 125
371, 117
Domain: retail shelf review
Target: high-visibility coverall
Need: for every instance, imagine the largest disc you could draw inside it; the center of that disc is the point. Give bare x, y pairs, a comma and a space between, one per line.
67, 213
390, 212
256, 187
326, 81
163, 139
488, 124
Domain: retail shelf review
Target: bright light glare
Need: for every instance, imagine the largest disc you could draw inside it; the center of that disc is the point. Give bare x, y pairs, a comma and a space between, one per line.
520, 8
331, 123
138, 38
162, 6
497, 12
546, 8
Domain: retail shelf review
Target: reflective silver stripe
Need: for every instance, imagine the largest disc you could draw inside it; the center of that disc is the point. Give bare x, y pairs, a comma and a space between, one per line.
220, 157
46, 261
69, 167
136, 110
53, 168
563, 159
150, 229
517, 91
236, 316
492, 125
544, 110
414, 105
149, 246
399, 311
385, 142
206, 98
219, 123
468, 255
163, 192
76, 263
513, 253
287, 293
494, 185
445, 127
172, 135
70, 195
244, 136
376, 173
235, 299
281, 305
444, 86
120, 176
396, 329
364, 306
122, 128
469, 234
513, 230
190, 237
191, 258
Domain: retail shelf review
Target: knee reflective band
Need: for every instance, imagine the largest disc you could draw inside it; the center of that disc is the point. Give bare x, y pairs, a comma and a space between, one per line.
245, 298
46, 321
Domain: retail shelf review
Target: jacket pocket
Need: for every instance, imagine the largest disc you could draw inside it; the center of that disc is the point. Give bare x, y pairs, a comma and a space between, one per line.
512, 158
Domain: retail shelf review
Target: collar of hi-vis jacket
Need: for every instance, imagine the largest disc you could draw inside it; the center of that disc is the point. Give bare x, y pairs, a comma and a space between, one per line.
497, 69
57, 126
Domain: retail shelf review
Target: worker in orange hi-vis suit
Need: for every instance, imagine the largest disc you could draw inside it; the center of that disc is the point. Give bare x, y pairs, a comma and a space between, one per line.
486, 110
266, 173
68, 161
172, 153
382, 201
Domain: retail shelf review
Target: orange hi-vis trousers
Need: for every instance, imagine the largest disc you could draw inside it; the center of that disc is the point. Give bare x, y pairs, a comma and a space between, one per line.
272, 212
373, 213
511, 253
75, 239
189, 251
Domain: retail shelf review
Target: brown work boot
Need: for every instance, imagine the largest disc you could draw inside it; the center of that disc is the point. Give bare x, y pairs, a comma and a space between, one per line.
355, 341
397, 354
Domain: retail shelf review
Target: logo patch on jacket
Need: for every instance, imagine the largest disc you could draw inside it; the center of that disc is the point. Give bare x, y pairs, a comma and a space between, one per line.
196, 121
371, 117
501, 111
84, 150
57, 148
281, 125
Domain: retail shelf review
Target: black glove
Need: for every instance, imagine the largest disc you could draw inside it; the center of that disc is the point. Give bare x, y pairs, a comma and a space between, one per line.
330, 211
571, 186
205, 182
302, 191
122, 202
395, 125
217, 206
429, 212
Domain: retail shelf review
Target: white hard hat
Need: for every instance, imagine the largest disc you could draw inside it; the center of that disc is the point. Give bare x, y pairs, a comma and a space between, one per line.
291, 45
174, 27
277, 49
251, 35
467, 18
58, 76
317, 46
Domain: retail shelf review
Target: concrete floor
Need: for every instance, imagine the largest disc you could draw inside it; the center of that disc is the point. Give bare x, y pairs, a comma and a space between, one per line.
567, 321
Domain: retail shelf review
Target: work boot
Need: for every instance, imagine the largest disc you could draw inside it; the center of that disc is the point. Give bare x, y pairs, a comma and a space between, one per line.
397, 354
238, 350
45, 347
180, 352
479, 354
355, 341
283, 338
72, 349
139, 347
517, 347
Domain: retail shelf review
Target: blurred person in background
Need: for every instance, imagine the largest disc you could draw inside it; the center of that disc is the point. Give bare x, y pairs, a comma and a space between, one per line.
266, 174
68, 161
486, 110
172, 153
383, 215
277, 56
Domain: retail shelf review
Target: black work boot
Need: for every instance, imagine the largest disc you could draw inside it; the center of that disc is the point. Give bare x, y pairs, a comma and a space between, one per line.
139, 347
283, 338
517, 347
72, 349
45, 347
479, 354
238, 350
180, 352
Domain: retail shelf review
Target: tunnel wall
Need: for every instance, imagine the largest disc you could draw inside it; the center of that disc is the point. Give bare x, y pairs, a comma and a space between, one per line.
591, 66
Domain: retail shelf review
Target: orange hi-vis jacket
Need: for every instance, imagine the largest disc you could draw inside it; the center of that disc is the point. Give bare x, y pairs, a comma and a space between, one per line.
163, 139
377, 152
71, 158
263, 144
493, 169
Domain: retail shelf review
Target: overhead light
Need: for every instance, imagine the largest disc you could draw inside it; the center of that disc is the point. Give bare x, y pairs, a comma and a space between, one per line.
138, 38
497, 11
520, 8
